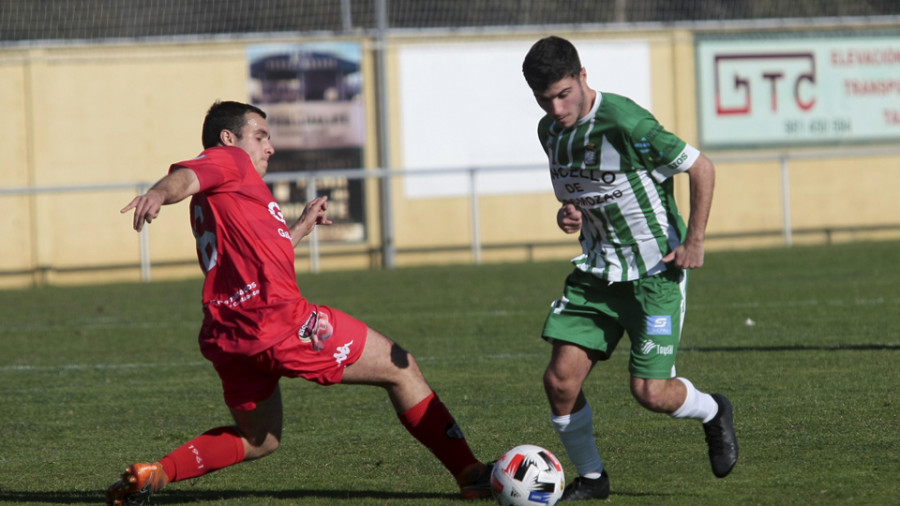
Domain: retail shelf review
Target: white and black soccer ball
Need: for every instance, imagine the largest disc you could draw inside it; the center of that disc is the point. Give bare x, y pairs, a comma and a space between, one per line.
527, 475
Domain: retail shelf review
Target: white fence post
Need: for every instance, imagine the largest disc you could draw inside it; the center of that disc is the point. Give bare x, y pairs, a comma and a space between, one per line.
474, 216
314, 235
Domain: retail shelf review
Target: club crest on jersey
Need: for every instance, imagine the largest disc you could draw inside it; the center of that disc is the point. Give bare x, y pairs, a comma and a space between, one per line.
591, 155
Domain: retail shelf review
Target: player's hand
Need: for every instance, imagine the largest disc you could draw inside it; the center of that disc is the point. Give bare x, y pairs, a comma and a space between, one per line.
568, 218
314, 213
686, 256
146, 208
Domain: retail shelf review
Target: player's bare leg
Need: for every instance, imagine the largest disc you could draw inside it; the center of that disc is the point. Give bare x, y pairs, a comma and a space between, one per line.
256, 434
568, 369
680, 399
384, 363
659, 395
260, 428
573, 419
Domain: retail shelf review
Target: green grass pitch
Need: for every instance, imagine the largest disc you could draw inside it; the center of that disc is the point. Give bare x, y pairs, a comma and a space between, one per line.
93, 378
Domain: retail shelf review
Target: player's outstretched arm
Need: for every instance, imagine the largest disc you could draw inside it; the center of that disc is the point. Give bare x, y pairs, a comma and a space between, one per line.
175, 187
313, 214
690, 253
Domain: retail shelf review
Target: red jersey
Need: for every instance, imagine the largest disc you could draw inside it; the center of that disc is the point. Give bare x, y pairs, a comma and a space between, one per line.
251, 300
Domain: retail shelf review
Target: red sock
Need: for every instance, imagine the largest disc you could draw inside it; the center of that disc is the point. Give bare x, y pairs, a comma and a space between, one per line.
208, 452
431, 423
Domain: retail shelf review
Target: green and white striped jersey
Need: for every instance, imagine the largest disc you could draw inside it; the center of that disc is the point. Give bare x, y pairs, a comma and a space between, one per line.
616, 166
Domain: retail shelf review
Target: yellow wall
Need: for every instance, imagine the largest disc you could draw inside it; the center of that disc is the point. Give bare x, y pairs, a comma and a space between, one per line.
15, 211
122, 113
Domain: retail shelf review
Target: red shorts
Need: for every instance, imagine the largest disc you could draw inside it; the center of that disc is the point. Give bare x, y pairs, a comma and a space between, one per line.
323, 345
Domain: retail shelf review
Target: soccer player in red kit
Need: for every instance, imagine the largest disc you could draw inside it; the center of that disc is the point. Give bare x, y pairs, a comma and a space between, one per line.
258, 328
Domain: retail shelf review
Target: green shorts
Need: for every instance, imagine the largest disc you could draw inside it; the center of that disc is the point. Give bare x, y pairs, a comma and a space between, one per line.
595, 314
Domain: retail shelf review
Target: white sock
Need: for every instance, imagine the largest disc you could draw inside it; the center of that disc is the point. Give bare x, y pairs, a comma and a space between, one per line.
697, 405
576, 431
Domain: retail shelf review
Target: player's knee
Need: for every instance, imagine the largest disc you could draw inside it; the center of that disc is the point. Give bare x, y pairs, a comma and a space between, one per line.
651, 394
401, 358
261, 446
559, 386
405, 369
647, 400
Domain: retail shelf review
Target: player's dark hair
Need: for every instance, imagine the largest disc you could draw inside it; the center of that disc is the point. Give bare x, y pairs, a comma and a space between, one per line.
230, 116
548, 61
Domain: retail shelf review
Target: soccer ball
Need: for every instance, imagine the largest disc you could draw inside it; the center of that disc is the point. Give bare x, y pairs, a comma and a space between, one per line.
527, 475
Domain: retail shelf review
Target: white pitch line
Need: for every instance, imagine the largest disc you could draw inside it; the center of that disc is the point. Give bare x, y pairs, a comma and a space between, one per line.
105, 323
88, 325
108, 323
82, 367
878, 301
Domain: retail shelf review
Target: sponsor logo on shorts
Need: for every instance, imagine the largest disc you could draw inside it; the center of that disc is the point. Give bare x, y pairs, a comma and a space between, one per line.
316, 329
304, 332
342, 353
659, 325
648, 347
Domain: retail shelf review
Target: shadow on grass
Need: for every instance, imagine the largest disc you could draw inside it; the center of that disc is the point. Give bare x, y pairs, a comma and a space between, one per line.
657, 496
799, 347
188, 496
194, 496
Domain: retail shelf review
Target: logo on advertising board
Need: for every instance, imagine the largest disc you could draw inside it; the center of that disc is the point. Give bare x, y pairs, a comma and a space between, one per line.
795, 90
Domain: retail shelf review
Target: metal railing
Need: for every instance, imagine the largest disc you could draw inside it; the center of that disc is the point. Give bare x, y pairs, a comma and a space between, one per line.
388, 248
784, 158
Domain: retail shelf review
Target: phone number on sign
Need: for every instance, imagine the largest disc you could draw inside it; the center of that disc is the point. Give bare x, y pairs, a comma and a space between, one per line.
818, 126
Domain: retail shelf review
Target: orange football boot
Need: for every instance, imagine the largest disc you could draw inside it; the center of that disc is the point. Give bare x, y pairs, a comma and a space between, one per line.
137, 483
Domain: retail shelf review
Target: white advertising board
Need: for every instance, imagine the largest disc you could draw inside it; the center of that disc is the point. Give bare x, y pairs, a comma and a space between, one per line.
805, 89
467, 105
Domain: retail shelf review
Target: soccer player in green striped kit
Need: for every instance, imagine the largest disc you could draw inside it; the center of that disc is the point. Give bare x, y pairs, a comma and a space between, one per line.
612, 164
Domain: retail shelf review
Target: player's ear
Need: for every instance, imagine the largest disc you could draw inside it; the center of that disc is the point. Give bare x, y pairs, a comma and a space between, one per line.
227, 137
